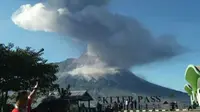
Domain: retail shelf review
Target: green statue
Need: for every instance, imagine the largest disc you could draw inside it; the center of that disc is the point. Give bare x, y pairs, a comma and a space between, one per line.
192, 76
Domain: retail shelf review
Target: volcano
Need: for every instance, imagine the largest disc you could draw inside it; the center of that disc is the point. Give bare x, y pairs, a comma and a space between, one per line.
111, 82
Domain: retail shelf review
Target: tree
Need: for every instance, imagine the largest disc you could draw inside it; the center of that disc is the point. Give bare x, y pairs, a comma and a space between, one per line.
21, 68
4, 55
64, 92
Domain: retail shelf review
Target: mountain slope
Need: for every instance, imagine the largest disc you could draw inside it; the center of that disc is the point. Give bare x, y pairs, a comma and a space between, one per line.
123, 82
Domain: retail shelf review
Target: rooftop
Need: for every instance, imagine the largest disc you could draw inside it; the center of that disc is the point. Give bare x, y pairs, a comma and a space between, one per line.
82, 95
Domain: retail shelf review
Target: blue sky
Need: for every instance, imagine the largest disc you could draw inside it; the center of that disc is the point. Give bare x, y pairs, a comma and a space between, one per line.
180, 18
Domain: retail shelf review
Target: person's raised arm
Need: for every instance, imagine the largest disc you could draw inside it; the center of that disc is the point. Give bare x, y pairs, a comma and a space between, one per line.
31, 95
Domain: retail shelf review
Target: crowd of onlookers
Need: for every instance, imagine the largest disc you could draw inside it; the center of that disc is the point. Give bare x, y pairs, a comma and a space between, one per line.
119, 106
115, 107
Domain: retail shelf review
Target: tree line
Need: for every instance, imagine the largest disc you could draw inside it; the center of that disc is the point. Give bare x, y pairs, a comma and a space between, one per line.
21, 68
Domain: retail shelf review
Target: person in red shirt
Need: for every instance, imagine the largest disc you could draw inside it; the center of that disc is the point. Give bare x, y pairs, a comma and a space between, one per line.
24, 100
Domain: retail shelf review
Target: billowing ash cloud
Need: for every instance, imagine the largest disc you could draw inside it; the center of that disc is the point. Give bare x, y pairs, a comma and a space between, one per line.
94, 71
117, 40
76, 5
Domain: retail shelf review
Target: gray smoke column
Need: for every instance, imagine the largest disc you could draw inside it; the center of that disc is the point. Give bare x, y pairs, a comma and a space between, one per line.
117, 40
76, 5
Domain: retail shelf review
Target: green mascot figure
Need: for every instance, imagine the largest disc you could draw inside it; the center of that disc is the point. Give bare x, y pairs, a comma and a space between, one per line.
192, 76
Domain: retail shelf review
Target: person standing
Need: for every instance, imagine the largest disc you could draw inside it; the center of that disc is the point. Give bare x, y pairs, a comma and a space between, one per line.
135, 104
131, 105
120, 106
116, 108
146, 106
24, 100
99, 107
126, 104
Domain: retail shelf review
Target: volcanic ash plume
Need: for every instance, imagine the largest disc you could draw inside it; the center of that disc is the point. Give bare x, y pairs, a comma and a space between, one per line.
117, 40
